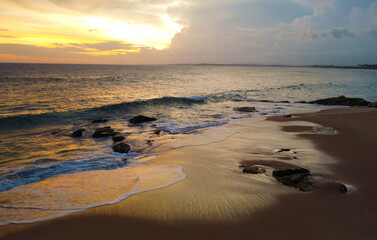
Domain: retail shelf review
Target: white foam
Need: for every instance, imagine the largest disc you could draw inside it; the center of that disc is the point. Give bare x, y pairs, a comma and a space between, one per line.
66, 194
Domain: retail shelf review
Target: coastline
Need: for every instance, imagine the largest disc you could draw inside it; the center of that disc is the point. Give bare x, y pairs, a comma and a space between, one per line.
218, 193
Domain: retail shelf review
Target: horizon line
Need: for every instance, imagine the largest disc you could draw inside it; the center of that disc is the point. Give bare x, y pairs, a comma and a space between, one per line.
359, 66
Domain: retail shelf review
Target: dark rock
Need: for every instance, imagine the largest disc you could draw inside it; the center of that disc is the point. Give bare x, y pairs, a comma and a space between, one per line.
253, 170
118, 138
141, 119
104, 132
245, 109
341, 100
287, 116
99, 120
302, 102
282, 173
149, 142
298, 178
304, 184
284, 150
285, 102
342, 188
157, 132
121, 147
78, 132
372, 105
267, 101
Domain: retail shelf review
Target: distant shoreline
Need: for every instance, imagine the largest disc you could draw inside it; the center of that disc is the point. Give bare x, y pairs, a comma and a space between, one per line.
362, 67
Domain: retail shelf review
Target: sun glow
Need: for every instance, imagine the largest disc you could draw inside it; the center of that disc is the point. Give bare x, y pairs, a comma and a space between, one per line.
90, 33
140, 35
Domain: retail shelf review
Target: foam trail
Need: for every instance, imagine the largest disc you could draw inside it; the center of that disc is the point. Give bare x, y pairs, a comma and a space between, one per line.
48, 198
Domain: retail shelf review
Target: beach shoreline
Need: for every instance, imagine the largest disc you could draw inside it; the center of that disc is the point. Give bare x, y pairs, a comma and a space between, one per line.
283, 212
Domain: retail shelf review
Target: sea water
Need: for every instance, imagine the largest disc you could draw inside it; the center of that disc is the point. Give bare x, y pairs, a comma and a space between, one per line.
45, 173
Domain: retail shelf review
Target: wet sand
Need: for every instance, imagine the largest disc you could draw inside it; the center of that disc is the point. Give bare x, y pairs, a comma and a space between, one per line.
217, 201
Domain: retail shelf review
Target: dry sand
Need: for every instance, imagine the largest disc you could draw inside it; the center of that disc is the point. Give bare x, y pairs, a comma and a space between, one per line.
217, 201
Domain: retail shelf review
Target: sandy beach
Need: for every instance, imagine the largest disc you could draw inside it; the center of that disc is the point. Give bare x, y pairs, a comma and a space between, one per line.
218, 201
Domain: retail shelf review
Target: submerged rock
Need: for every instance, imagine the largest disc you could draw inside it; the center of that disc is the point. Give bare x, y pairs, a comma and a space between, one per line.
245, 109
341, 100
118, 138
141, 119
99, 120
121, 147
104, 132
78, 132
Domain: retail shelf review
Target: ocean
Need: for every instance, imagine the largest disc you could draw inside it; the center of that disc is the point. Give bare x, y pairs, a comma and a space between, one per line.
45, 173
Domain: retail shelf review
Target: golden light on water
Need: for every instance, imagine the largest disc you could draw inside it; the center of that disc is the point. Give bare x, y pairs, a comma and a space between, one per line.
94, 32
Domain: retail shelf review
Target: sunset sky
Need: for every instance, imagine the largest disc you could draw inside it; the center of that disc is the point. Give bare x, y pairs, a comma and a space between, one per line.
342, 32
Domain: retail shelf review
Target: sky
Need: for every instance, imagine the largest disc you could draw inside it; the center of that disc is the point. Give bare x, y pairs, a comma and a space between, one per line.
289, 32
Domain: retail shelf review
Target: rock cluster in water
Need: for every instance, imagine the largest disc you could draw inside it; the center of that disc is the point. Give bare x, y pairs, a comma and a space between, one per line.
334, 101
107, 131
342, 100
